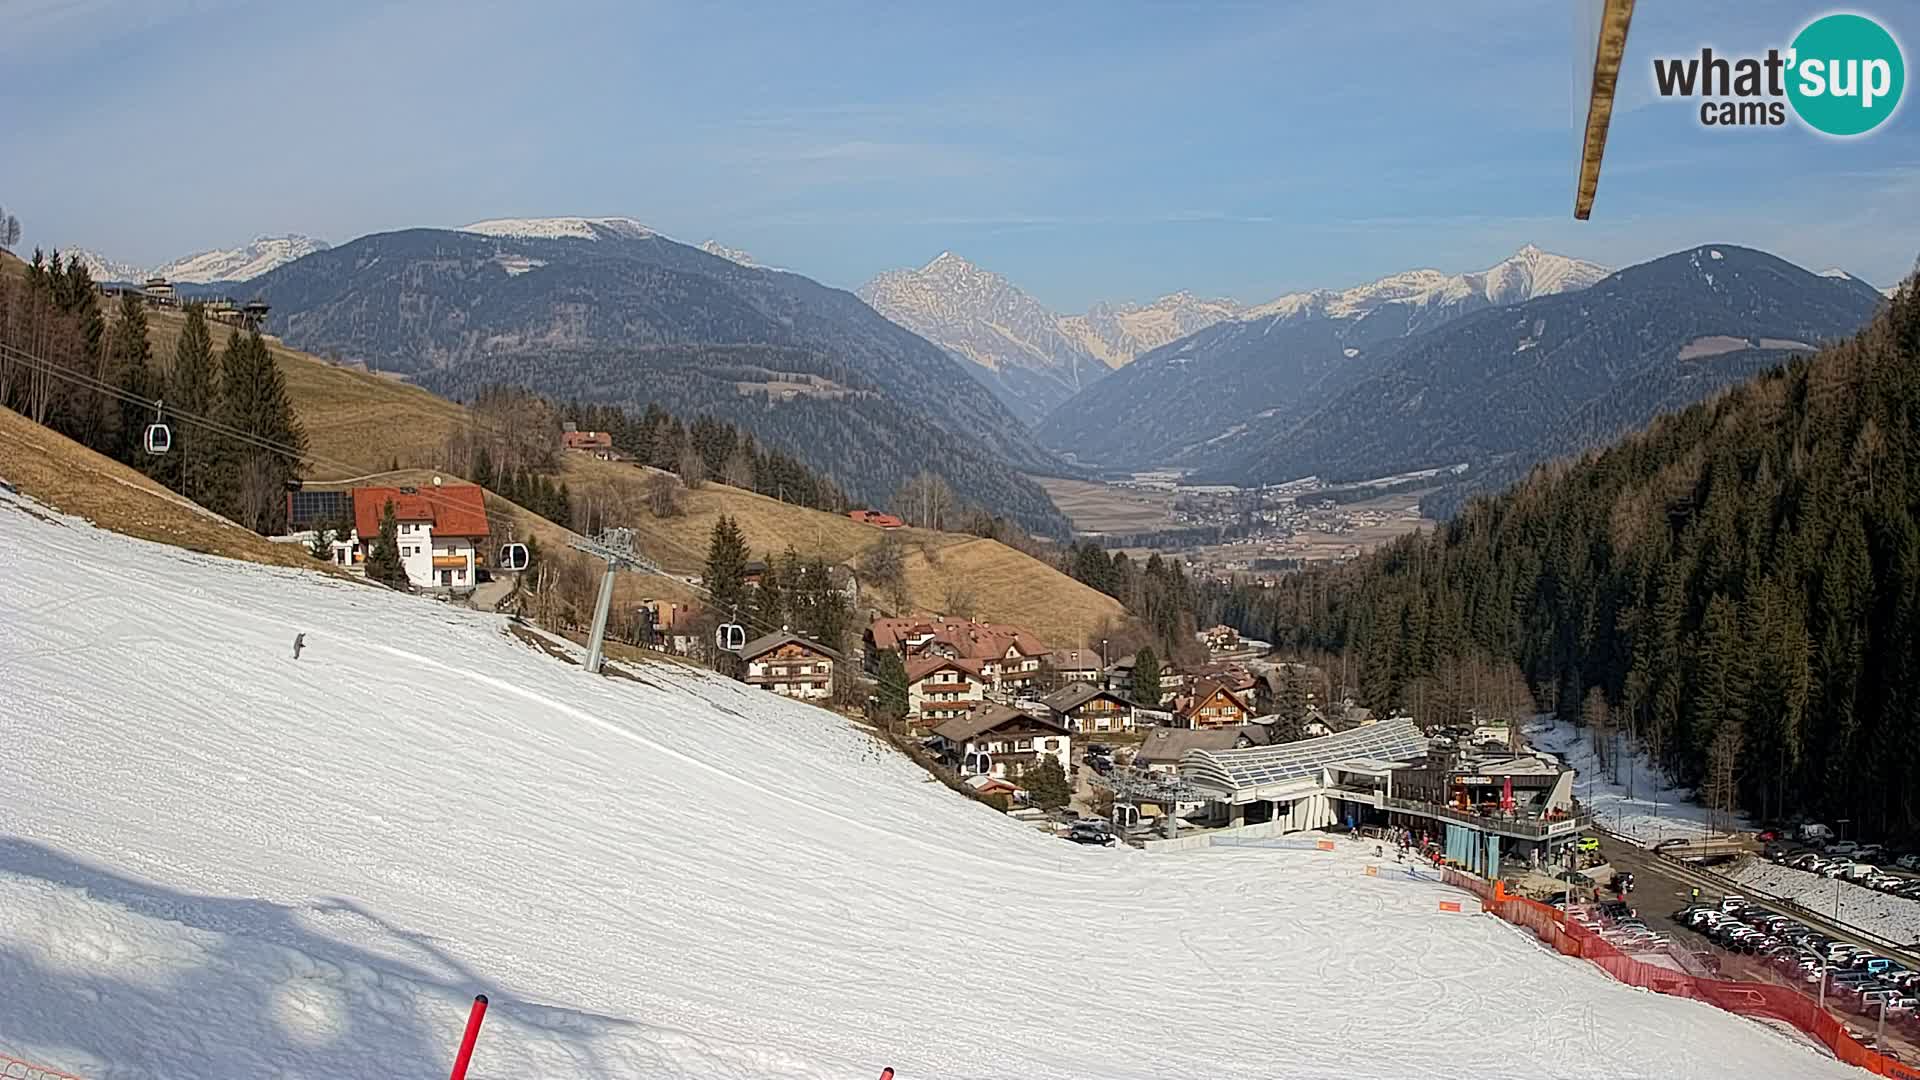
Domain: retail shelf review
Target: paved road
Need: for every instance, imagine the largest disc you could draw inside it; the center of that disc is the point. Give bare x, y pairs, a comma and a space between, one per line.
1662, 887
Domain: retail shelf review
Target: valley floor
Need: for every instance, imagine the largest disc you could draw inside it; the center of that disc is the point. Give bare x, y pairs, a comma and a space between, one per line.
218, 861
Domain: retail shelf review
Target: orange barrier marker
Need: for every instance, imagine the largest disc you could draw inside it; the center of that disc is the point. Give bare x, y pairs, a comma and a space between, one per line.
1324, 845
1449, 905
1373, 871
14, 1067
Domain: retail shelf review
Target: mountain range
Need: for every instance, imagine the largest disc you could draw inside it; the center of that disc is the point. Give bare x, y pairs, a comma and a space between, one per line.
1194, 402
606, 309
243, 263
1510, 387
1031, 357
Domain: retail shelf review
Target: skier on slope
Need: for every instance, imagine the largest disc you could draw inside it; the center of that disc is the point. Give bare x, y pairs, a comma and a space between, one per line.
299, 642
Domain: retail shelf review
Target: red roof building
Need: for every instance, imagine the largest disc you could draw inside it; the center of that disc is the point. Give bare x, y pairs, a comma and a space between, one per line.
452, 509
877, 519
588, 442
438, 535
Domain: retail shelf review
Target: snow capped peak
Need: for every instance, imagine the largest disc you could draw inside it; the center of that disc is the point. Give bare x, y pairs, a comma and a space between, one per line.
715, 247
243, 263
1836, 272
561, 228
948, 263
1527, 273
102, 268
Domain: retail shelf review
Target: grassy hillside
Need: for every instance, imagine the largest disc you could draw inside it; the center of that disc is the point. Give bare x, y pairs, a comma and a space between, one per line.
353, 418
1006, 585
69, 477
359, 423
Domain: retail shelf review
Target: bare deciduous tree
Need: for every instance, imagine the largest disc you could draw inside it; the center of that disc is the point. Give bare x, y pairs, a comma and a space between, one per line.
692, 468
663, 496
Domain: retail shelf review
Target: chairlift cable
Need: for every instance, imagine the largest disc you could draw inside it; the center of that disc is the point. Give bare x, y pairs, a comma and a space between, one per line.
299, 457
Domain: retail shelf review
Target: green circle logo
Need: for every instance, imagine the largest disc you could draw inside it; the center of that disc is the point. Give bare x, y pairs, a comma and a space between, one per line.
1847, 75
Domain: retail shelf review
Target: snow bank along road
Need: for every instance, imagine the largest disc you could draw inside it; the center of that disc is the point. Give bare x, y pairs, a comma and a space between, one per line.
216, 861
1894, 918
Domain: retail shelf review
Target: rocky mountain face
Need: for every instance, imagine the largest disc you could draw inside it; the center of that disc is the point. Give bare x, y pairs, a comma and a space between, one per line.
606, 309
1120, 333
1017, 346
243, 263
1201, 400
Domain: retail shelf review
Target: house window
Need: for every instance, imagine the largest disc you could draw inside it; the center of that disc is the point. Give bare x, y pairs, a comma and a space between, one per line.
1022, 745
1101, 723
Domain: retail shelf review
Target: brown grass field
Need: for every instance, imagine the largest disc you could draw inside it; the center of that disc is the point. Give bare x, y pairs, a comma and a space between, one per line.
1096, 507
75, 480
358, 423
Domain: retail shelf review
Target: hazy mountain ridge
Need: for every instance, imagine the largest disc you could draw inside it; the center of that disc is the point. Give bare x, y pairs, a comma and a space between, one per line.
427, 300
1199, 400
1507, 387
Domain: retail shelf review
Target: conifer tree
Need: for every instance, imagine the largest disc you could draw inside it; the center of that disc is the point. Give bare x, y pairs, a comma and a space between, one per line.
384, 564
133, 371
726, 576
1146, 678
254, 402
890, 676
769, 599
193, 387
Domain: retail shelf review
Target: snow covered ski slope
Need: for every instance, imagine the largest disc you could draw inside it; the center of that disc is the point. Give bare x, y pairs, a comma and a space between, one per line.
219, 862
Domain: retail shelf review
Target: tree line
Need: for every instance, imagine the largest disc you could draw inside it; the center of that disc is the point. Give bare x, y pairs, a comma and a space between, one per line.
233, 440
1157, 590
796, 593
1736, 589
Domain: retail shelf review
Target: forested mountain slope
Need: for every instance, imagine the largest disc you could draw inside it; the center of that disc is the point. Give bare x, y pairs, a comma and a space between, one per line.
1212, 398
1739, 586
538, 305
1504, 383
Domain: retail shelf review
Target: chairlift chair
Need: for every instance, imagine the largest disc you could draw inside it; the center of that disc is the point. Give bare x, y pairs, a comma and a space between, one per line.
730, 637
513, 557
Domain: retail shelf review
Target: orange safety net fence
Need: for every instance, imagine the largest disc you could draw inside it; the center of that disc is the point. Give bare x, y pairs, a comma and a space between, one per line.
1782, 1003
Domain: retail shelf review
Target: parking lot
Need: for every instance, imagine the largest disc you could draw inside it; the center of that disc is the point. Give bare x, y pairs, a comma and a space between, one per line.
1755, 940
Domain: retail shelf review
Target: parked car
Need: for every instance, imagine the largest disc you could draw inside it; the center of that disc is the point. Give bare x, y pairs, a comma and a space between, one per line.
1843, 847
1090, 832
1837, 868
1587, 843
1909, 861
1869, 853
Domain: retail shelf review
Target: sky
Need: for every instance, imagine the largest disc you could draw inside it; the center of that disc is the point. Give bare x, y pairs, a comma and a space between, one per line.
1087, 151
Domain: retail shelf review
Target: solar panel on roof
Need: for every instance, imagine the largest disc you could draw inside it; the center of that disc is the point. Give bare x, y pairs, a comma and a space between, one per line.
1393, 740
311, 507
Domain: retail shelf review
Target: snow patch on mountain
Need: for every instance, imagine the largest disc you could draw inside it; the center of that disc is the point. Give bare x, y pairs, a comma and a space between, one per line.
243, 263
1525, 274
561, 228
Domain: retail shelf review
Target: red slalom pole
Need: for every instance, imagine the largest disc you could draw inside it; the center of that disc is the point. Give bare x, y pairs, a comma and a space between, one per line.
886, 1073
473, 1033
